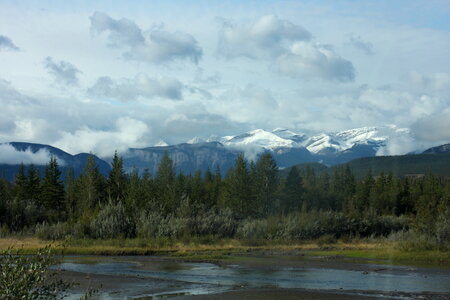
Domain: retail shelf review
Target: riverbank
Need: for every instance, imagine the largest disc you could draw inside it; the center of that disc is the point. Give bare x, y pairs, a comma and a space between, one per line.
199, 250
253, 276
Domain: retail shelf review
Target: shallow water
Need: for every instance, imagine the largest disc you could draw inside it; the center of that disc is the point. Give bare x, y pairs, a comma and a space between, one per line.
204, 278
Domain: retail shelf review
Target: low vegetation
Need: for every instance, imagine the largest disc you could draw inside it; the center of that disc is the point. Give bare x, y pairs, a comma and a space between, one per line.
28, 277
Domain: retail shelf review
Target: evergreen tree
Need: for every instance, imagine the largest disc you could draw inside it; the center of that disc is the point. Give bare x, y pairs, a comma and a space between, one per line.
52, 190
265, 183
363, 192
72, 190
90, 186
238, 193
117, 180
20, 184
135, 192
293, 191
165, 184
33, 183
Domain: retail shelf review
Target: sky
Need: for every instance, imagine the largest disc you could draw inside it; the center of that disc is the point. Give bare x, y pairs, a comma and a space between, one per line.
109, 75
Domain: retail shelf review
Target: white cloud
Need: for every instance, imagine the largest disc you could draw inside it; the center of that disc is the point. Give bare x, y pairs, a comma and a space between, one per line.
63, 72
155, 45
267, 37
315, 61
140, 86
11, 156
288, 46
434, 127
128, 133
7, 44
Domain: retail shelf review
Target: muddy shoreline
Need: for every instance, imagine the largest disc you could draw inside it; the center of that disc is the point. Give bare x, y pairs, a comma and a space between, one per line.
149, 277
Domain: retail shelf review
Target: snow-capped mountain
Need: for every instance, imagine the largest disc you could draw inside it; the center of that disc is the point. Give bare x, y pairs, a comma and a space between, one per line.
259, 139
324, 143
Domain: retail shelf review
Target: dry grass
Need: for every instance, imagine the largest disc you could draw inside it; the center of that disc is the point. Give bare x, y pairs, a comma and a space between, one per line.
141, 246
381, 249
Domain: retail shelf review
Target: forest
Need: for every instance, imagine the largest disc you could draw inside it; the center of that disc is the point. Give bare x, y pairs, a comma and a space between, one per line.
252, 203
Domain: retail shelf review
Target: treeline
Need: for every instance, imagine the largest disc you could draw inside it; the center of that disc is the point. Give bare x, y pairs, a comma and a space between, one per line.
250, 202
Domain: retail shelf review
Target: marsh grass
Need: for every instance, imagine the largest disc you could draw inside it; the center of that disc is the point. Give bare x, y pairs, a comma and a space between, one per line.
211, 248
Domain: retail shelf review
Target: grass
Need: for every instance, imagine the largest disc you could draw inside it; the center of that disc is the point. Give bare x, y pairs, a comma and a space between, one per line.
209, 249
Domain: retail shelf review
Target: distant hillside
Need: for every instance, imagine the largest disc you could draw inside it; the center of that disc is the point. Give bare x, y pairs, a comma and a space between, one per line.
438, 149
187, 158
66, 160
400, 165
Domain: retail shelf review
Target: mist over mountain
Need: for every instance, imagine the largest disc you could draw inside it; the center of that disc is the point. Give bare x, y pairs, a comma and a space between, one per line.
39, 155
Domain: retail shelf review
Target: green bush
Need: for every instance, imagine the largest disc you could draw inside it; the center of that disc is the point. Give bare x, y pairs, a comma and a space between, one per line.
412, 240
213, 222
147, 225
57, 231
112, 221
154, 225
326, 240
315, 224
252, 230
29, 277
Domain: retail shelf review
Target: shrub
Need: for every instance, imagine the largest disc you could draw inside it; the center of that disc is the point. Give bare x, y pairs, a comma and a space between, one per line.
412, 240
212, 222
443, 229
112, 221
252, 229
154, 225
57, 231
29, 277
147, 225
326, 240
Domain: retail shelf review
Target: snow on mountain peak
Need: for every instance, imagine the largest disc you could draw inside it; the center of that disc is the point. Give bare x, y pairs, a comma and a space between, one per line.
161, 143
196, 140
258, 138
255, 141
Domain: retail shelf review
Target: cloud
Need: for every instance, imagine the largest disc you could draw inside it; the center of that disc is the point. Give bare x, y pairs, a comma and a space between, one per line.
434, 127
435, 83
9, 95
11, 156
365, 47
155, 45
7, 44
312, 61
62, 71
288, 46
128, 133
250, 104
267, 37
140, 86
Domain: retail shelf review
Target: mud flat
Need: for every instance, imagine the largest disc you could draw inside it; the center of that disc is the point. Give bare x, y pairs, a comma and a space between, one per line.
253, 276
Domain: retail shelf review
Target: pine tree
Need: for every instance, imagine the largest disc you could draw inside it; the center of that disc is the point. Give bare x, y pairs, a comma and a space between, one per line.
91, 184
20, 184
363, 192
72, 190
238, 193
33, 183
117, 180
165, 184
265, 182
293, 191
52, 190
135, 192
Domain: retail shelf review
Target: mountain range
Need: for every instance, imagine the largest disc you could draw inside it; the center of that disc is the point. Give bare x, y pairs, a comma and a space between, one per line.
288, 149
